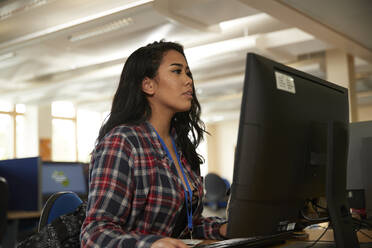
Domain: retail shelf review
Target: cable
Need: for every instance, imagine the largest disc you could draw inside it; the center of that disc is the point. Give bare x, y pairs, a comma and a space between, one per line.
367, 223
365, 234
322, 219
358, 224
321, 236
314, 207
362, 223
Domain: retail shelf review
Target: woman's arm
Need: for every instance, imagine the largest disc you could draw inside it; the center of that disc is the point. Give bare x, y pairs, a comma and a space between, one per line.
111, 191
210, 228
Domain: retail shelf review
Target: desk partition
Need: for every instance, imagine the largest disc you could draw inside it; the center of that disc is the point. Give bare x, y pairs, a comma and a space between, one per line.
23, 176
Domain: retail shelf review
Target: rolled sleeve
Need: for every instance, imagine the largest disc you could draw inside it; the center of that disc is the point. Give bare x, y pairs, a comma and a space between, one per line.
208, 228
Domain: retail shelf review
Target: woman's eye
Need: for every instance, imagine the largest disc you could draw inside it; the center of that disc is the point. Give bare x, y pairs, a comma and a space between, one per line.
178, 71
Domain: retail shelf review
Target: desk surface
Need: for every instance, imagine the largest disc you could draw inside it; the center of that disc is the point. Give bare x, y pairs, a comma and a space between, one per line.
314, 234
12, 215
328, 236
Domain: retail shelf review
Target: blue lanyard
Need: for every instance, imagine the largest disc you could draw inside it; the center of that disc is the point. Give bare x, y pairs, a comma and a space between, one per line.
188, 194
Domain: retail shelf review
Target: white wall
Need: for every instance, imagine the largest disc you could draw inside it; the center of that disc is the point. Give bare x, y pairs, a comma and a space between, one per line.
44, 121
365, 113
221, 147
31, 141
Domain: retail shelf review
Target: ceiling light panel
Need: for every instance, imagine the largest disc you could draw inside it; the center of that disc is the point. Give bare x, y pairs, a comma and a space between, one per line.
109, 27
7, 56
17, 7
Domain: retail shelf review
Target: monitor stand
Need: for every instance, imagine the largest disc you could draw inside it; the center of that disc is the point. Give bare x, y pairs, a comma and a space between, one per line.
338, 209
367, 172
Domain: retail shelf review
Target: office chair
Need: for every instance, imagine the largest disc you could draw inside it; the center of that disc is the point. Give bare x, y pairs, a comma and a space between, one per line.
58, 204
4, 197
216, 189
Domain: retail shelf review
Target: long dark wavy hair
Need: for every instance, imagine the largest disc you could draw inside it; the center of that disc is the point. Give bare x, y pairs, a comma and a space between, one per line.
130, 105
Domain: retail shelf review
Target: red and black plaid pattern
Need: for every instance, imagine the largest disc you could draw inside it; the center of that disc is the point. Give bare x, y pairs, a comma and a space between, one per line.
135, 193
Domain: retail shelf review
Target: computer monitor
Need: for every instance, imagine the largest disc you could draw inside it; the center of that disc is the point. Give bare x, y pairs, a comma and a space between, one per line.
359, 169
291, 147
64, 176
23, 176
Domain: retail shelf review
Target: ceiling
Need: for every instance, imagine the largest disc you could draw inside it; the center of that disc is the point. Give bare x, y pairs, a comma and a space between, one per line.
75, 49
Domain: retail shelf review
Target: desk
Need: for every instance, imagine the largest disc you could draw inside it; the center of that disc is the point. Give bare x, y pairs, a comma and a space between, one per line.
13, 215
328, 236
313, 235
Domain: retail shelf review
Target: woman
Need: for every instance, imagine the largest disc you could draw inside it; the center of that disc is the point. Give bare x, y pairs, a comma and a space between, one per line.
145, 185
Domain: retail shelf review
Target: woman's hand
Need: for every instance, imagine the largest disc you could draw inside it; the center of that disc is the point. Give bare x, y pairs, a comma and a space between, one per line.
169, 243
223, 230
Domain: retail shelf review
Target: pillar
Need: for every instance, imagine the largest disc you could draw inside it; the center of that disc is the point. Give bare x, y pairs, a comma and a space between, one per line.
45, 132
340, 70
212, 141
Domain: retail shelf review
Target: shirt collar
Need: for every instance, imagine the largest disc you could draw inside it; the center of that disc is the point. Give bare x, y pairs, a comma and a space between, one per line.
156, 142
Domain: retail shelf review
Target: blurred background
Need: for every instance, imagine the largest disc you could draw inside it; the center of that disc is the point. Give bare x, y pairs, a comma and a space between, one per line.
60, 63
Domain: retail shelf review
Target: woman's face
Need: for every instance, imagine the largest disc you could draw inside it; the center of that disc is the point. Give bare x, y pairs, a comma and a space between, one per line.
173, 85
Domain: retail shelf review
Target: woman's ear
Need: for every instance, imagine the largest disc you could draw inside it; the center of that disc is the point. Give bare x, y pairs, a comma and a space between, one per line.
148, 86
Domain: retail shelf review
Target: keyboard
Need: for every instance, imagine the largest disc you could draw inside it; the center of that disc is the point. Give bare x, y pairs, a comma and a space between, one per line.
321, 244
257, 241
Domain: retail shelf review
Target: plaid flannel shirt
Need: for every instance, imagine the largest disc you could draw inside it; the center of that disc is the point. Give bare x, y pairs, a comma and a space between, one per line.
135, 193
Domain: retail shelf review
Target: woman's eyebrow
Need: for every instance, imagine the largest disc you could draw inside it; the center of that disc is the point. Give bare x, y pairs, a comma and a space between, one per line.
176, 64
180, 65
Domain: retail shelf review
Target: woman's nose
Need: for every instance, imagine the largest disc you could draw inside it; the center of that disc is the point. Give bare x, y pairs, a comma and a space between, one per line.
188, 79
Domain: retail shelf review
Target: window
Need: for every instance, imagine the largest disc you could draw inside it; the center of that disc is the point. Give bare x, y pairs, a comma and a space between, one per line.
64, 140
74, 131
20, 130
14, 140
6, 136
88, 125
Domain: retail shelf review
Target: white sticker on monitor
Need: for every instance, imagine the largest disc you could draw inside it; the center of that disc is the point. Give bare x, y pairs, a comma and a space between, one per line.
285, 82
291, 226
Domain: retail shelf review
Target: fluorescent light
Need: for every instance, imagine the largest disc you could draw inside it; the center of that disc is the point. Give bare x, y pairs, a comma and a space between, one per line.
112, 26
17, 7
74, 23
239, 23
227, 46
7, 56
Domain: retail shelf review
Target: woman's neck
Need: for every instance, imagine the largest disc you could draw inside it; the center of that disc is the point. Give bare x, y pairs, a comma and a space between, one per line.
161, 123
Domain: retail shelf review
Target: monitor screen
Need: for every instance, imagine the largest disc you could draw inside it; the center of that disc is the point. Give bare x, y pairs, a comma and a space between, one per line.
63, 176
281, 152
23, 176
359, 171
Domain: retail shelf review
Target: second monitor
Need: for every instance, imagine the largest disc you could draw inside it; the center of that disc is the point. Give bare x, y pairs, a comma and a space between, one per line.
359, 184
64, 176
